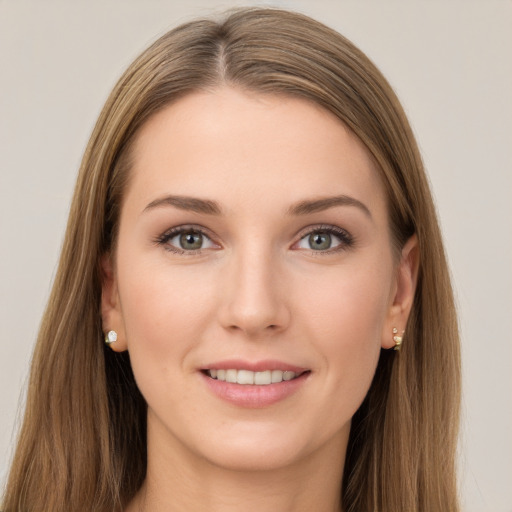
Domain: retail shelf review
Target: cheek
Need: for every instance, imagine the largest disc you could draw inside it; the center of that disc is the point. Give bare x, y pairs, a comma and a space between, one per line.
345, 313
348, 304
164, 309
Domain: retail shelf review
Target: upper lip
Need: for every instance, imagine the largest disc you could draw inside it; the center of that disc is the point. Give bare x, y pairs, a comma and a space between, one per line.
254, 366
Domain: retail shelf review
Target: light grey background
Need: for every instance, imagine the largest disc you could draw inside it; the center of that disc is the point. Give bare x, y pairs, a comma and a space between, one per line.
451, 64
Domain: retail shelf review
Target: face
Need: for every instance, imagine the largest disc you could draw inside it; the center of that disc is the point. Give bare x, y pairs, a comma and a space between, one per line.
253, 283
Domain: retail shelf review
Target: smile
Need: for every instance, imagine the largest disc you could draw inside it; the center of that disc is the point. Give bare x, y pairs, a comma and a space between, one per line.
256, 384
248, 377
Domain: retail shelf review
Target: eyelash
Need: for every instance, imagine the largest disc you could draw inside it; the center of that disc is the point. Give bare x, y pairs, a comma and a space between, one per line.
346, 239
164, 238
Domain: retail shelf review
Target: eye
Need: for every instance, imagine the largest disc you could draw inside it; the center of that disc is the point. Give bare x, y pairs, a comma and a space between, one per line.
184, 239
189, 240
325, 239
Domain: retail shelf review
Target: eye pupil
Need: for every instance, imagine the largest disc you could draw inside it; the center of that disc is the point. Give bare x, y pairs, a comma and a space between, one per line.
320, 241
191, 240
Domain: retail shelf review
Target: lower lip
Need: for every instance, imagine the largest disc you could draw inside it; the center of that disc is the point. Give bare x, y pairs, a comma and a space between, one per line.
252, 396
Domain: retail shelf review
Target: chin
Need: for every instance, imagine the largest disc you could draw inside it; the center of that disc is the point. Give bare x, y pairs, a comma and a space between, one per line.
261, 456
269, 449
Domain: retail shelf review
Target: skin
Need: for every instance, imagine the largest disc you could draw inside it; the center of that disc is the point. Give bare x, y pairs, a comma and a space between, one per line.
255, 291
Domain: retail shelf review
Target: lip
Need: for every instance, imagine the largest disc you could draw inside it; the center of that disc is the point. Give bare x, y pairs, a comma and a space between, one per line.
254, 396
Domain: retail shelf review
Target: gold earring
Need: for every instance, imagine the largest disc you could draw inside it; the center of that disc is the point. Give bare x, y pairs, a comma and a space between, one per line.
110, 337
397, 339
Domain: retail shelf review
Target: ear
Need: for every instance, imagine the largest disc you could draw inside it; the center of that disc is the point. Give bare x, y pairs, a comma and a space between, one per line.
403, 292
111, 314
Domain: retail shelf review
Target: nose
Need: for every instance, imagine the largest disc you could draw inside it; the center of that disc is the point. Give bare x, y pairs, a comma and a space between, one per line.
254, 299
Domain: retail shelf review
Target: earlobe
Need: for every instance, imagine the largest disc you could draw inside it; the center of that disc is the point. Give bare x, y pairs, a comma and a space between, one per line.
111, 315
403, 297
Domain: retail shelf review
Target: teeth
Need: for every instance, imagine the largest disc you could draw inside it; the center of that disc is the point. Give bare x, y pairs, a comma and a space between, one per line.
277, 376
244, 377
231, 376
263, 378
256, 378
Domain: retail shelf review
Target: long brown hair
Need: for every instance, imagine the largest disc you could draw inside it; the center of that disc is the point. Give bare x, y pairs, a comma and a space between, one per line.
83, 441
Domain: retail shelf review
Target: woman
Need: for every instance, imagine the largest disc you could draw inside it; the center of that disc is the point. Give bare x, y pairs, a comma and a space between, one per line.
252, 233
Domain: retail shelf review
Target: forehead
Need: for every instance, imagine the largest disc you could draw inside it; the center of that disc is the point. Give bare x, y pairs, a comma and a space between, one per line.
242, 148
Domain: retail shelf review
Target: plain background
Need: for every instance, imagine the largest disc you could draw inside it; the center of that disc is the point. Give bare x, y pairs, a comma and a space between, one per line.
451, 65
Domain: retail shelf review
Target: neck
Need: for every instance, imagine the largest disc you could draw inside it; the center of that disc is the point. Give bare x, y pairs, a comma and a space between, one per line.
176, 481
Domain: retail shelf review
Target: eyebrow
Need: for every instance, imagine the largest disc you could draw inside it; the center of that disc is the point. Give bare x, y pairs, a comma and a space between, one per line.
209, 207
191, 204
324, 203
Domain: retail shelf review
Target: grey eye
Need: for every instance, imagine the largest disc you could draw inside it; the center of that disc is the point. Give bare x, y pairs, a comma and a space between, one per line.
186, 239
319, 241
191, 240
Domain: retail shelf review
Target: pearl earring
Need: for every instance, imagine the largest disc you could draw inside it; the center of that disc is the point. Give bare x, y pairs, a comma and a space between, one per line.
397, 339
110, 337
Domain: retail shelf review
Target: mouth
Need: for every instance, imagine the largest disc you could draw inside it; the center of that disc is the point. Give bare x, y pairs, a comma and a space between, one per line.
253, 378
254, 384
